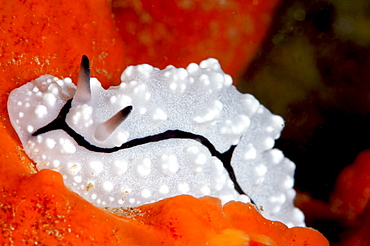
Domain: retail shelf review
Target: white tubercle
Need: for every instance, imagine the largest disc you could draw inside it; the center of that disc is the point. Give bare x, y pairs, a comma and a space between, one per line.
186, 119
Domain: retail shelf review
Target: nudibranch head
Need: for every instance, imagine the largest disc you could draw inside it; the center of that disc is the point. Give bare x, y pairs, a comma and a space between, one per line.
160, 133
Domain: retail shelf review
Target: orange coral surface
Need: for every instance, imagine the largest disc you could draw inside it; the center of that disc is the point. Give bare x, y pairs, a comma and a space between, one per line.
176, 32
36, 208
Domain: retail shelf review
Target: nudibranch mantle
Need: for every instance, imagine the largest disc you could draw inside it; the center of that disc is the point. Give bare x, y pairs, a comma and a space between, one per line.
213, 122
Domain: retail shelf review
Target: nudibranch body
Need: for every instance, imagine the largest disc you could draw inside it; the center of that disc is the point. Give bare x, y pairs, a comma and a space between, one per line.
160, 133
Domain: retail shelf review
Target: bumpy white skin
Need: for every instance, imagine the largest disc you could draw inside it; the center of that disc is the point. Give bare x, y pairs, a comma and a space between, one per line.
199, 99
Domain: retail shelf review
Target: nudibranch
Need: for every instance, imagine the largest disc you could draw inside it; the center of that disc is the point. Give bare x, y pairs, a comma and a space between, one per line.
160, 133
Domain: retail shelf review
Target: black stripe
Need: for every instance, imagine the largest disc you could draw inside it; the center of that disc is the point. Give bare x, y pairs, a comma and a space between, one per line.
60, 123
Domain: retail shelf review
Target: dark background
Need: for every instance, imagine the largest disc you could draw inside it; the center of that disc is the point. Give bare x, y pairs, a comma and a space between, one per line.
314, 70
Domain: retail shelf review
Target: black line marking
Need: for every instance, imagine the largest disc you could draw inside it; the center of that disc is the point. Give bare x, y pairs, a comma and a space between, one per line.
60, 123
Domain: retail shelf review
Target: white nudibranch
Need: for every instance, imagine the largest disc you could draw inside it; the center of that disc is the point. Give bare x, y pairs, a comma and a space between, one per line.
159, 134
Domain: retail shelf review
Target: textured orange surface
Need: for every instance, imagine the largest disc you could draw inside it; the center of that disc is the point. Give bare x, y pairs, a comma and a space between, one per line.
165, 32
192, 219
39, 37
36, 208
40, 209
